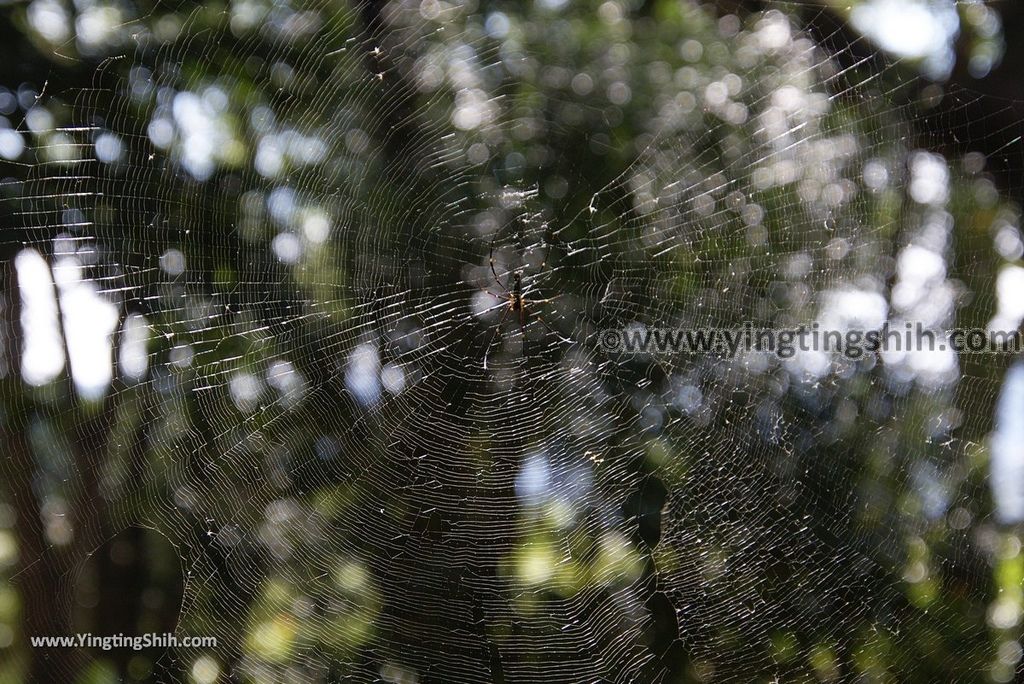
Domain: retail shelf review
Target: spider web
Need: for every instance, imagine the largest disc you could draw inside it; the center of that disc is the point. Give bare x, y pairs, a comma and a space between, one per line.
290, 211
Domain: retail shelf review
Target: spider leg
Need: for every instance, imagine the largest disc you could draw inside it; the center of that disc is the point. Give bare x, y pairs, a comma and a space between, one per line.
491, 261
543, 301
546, 241
551, 330
503, 304
536, 289
522, 326
497, 329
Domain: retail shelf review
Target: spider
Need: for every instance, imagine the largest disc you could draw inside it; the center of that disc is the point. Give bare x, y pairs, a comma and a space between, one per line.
514, 296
